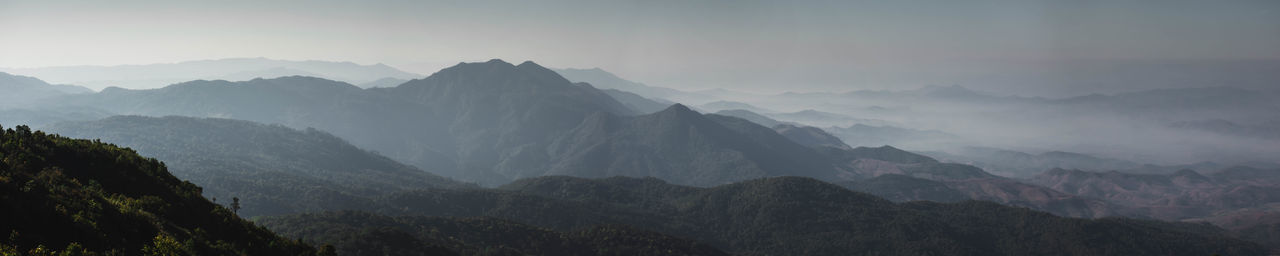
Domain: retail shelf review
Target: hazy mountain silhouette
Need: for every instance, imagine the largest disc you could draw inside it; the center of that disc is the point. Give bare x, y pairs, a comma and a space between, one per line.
384, 82
159, 75
750, 116
867, 135
810, 136
605, 80
637, 103
272, 169
20, 91
717, 106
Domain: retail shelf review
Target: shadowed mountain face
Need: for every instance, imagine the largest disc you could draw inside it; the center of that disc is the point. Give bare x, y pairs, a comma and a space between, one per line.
272, 169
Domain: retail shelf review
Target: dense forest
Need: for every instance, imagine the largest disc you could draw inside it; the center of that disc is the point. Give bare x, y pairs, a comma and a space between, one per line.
772, 216
61, 196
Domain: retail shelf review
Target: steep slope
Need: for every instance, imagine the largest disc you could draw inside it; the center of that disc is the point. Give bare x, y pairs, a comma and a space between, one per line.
790, 215
810, 136
639, 104
750, 116
683, 146
77, 196
501, 117
272, 169
357, 233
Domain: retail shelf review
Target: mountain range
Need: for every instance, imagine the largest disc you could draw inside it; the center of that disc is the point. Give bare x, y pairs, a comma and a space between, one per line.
309, 145
236, 69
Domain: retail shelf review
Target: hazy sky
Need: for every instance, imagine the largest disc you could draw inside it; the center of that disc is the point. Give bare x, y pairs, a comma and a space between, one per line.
749, 45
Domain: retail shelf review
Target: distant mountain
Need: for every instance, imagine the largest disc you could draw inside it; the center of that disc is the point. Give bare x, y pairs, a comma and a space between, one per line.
61, 196
823, 119
384, 82
867, 135
159, 75
20, 91
717, 106
605, 80
750, 116
638, 103
475, 121
355, 232
1181, 195
272, 169
1264, 130
810, 136
266, 73
786, 215
1023, 165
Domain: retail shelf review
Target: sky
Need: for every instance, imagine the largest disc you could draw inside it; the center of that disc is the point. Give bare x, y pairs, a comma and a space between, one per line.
1013, 47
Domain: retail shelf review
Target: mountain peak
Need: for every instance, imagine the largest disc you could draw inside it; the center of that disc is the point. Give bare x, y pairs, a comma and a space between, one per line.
679, 109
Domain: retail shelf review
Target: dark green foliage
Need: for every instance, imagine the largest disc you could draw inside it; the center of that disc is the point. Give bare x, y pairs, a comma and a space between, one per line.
359, 233
1267, 235
900, 188
274, 169
79, 195
802, 216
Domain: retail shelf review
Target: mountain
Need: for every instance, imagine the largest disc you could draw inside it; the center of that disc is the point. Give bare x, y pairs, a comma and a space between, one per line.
903, 188
359, 233
61, 196
500, 118
159, 75
1181, 195
867, 135
637, 103
1269, 130
810, 136
717, 106
24, 90
750, 116
273, 169
824, 119
790, 215
681, 145
1024, 165
605, 80
266, 73
384, 82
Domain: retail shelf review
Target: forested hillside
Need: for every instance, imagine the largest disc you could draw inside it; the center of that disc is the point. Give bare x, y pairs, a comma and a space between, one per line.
76, 197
